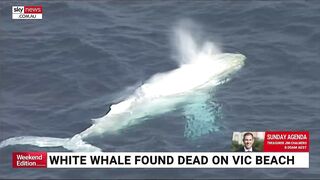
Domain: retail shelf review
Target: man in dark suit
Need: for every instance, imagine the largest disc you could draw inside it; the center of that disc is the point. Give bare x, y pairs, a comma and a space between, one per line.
248, 141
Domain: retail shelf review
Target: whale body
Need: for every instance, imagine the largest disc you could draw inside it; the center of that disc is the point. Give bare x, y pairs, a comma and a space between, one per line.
185, 85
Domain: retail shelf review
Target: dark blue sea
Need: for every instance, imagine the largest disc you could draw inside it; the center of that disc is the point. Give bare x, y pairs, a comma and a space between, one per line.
58, 73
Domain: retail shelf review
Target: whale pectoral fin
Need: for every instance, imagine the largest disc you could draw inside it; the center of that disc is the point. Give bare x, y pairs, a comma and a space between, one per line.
201, 115
73, 144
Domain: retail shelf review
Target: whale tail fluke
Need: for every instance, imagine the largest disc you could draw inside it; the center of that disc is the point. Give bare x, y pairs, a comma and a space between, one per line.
73, 144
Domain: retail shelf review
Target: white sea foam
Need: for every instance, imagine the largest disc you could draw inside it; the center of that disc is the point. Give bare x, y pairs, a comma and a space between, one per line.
191, 44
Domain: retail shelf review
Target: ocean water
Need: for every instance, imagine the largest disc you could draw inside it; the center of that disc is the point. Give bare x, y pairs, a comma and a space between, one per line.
58, 73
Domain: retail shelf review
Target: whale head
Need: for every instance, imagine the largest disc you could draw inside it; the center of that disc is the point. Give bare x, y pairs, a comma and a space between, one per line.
228, 63
211, 69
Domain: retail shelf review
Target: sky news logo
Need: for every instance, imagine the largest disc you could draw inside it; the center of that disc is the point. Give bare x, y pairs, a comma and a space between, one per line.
26, 12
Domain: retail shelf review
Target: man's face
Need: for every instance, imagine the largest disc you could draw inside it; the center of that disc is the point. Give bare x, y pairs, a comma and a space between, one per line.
248, 141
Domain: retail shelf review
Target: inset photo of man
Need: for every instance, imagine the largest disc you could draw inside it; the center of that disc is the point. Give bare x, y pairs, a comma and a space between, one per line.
247, 141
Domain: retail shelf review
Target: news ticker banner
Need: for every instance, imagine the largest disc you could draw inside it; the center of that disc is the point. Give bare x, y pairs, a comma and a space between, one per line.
282, 149
159, 160
26, 12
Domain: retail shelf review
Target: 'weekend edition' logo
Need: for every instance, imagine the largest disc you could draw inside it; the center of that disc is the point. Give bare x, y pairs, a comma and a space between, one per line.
26, 12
